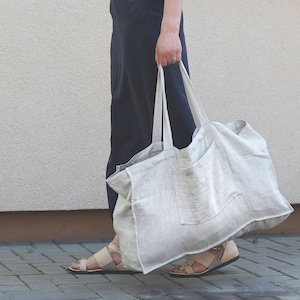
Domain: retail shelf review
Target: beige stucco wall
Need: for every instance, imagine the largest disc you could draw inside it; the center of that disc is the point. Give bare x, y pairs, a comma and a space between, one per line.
55, 91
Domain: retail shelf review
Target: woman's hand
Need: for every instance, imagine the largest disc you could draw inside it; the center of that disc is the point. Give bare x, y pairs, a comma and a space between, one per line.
168, 48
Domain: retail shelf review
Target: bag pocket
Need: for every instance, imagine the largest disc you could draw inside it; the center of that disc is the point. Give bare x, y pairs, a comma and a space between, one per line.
205, 188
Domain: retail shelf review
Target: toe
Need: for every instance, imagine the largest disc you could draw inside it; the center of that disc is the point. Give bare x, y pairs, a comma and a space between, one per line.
177, 269
173, 269
75, 266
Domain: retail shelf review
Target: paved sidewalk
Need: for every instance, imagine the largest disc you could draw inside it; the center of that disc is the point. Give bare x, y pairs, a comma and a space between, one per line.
269, 268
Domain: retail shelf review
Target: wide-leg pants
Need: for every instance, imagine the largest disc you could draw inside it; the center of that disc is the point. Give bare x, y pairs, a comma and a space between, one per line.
136, 27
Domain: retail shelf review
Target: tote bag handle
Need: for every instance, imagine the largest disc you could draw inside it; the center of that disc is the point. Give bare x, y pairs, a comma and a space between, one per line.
198, 111
161, 121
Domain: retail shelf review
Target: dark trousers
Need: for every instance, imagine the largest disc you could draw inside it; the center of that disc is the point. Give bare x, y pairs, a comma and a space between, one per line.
136, 27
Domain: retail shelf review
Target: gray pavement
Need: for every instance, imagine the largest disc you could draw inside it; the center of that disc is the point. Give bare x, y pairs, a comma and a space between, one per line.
269, 268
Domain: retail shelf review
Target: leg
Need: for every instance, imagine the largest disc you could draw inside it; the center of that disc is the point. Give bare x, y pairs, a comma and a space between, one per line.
107, 260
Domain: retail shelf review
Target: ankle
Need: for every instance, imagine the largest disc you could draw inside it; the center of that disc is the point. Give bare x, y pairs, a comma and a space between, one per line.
116, 257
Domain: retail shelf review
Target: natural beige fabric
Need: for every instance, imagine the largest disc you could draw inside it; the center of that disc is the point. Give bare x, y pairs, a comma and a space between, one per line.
175, 202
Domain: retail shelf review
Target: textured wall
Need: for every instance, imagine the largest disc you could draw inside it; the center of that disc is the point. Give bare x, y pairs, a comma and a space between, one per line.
245, 63
54, 130
54, 83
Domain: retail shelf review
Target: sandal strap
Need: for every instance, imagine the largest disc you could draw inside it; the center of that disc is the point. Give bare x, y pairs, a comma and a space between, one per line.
228, 253
114, 248
204, 258
103, 257
83, 264
207, 259
188, 269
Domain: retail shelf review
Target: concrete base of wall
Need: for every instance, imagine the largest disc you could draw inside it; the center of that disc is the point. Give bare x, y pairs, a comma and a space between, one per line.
55, 225
87, 225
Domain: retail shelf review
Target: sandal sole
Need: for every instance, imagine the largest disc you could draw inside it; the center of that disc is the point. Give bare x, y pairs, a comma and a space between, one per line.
125, 272
205, 272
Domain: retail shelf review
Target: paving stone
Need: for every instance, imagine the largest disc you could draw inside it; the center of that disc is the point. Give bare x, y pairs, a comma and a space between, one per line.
12, 283
4, 296
223, 296
79, 291
256, 296
149, 292
10, 280
119, 291
36, 295
4, 271
15, 246
164, 270
288, 284
23, 269
226, 283
34, 257
39, 283
6, 253
50, 268
94, 247
232, 269
290, 241
178, 293
193, 284
246, 264
246, 261
11, 260
14, 288
64, 258
154, 280
257, 242
124, 279
46, 247
264, 255
268, 269
263, 284
288, 297
292, 272
264, 272
72, 248
34, 277
288, 260
186, 282
68, 278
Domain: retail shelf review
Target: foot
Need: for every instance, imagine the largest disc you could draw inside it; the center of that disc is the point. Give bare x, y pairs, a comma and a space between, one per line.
92, 263
208, 261
198, 267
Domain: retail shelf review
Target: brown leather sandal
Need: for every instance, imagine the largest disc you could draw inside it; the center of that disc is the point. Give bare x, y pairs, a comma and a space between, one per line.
105, 262
229, 254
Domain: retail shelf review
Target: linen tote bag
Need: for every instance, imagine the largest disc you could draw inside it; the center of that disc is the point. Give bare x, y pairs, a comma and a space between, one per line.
175, 202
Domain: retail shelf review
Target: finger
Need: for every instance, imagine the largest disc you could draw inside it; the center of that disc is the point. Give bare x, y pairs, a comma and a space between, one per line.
178, 56
157, 59
163, 61
173, 59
